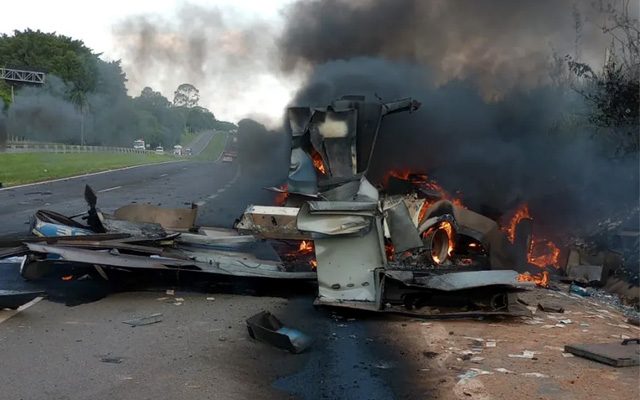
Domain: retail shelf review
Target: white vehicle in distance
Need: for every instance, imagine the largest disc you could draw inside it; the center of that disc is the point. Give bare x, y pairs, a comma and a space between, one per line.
159, 150
138, 144
177, 150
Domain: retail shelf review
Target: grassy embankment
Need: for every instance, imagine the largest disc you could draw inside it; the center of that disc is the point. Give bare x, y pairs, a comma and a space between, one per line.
214, 148
19, 168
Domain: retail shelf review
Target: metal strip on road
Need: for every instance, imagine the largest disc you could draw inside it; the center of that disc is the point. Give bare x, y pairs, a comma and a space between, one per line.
6, 314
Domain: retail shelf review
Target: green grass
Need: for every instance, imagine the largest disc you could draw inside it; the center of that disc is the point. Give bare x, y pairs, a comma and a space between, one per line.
214, 148
187, 137
19, 168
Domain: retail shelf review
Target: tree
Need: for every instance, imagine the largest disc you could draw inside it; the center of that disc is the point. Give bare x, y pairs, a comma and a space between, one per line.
55, 54
186, 95
200, 119
613, 93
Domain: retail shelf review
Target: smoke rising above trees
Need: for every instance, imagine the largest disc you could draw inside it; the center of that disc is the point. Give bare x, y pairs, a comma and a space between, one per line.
85, 98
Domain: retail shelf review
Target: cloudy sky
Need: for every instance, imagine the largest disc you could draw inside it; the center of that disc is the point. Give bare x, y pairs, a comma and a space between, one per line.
113, 28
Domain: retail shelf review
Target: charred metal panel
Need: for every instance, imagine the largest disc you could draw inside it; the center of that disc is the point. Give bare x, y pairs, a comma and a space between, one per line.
461, 280
303, 177
340, 223
403, 232
333, 136
271, 222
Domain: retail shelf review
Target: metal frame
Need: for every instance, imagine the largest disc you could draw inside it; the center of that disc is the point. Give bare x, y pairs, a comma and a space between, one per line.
19, 75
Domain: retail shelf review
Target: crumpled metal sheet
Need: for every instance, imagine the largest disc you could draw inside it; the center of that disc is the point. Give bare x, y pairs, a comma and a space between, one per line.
338, 223
50, 224
271, 222
461, 280
231, 263
403, 232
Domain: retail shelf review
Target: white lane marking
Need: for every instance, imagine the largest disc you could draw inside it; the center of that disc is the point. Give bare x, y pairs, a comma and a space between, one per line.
109, 189
90, 174
221, 190
6, 314
213, 196
163, 175
200, 203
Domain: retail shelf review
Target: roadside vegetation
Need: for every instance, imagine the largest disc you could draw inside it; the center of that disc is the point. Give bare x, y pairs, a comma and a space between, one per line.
214, 148
20, 168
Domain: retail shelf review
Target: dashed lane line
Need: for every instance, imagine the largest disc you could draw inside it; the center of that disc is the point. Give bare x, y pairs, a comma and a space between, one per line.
109, 189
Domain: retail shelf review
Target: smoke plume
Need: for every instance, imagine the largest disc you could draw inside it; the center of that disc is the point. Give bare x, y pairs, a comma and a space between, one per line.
499, 123
228, 57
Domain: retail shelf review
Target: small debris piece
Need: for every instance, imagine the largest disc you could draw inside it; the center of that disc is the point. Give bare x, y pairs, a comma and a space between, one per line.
490, 344
170, 292
211, 298
476, 360
565, 321
111, 360
472, 373
503, 370
525, 354
179, 299
148, 320
265, 327
579, 290
567, 355
550, 308
429, 354
534, 375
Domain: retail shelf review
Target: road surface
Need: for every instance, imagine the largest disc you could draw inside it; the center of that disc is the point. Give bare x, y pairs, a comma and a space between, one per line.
201, 349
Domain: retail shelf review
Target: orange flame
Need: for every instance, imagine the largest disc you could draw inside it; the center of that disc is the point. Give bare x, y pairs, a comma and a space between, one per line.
305, 246
521, 213
423, 180
544, 253
446, 225
318, 163
541, 279
314, 264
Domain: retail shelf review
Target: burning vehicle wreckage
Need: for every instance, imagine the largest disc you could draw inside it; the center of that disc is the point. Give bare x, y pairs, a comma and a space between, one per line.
408, 248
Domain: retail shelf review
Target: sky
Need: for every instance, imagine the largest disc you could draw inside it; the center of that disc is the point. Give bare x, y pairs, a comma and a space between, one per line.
95, 22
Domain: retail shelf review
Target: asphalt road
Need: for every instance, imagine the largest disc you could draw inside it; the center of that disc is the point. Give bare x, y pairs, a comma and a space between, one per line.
201, 349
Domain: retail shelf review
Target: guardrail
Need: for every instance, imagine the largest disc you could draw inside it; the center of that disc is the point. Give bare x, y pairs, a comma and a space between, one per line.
65, 148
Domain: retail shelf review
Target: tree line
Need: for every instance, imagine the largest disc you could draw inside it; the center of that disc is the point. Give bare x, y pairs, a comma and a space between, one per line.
85, 100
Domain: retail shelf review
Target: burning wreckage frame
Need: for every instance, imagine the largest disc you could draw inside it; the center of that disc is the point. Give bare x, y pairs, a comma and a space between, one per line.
406, 249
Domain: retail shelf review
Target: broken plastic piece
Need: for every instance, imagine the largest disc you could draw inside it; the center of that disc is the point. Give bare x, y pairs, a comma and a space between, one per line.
265, 327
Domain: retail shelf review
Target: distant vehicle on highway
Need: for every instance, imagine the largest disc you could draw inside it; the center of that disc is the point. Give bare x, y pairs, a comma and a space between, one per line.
138, 144
159, 150
229, 156
188, 151
177, 150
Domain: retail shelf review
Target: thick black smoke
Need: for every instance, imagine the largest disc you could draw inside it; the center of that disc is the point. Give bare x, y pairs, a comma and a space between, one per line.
42, 114
495, 124
496, 154
498, 44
